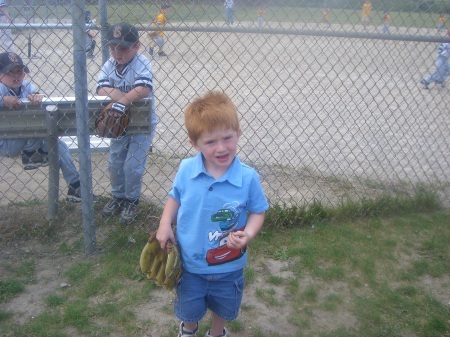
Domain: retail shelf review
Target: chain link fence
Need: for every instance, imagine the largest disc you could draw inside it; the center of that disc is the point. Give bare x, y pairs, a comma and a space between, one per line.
331, 106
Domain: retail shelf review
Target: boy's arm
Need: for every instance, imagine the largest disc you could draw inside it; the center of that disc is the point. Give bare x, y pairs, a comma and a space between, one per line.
91, 34
127, 98
240, 239
12, 102
168, 217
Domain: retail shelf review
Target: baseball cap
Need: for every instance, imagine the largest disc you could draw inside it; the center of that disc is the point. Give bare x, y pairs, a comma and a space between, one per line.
165, 5
10, 60
123, 34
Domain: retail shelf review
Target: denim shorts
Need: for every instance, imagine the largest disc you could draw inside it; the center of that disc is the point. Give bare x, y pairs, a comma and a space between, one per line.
220, 293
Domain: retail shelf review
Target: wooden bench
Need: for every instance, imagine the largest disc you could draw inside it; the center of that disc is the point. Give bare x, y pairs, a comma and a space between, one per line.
55, 118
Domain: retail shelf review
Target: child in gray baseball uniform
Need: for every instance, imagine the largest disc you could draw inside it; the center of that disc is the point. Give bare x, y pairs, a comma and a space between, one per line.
126, 77
13, 89
442, 71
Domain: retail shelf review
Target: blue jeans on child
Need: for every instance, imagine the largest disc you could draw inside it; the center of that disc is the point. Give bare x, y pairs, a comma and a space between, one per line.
127, 163
14, 147
220, 293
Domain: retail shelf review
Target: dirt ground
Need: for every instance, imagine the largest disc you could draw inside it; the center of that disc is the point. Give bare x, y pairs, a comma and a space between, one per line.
155, 315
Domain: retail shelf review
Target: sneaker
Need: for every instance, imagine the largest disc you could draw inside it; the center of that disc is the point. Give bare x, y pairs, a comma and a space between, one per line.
112, 207
187, 333
222, 335
129, 212
34, 160
425, 84
74, 195
441, 84
161, 53
151, 51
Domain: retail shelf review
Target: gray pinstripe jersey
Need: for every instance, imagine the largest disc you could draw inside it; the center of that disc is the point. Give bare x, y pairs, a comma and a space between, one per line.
444, 50
138, 72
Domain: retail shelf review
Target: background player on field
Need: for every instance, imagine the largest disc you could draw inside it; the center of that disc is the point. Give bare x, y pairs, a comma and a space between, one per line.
229, 11
366, 10
5, 33
260, 12
126, 77
442, 71
326, 16
387, 19
160, 21
441, 23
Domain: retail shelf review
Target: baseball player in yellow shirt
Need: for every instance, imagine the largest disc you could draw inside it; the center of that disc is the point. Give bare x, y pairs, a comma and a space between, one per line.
366, 9
326, 16
441, 23
387, 18
158, 38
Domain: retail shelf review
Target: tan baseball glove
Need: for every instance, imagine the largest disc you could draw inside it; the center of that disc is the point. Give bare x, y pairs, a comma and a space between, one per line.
158, 265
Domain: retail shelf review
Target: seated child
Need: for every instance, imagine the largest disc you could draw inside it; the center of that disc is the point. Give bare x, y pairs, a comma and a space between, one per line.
34, 151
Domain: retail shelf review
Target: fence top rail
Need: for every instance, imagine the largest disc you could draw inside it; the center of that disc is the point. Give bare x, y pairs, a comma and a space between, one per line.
206, 27
31, 121
66, 100
69, 100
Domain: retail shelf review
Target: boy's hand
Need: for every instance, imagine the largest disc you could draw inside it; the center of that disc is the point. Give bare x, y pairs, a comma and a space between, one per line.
165, 235
157, 264
35, 99
12, 102
237, 240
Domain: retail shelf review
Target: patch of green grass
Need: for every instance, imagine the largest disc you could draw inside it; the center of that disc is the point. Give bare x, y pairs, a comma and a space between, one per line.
77, 314
332, 302
375, 263
79, 271
5, 315
249, 274
275, 280
331, 273
396, 310
310, 294
10, 288
281, 216
25, 270
15, 277
267, 296
54, 300
46, 324
236, 326
29, 203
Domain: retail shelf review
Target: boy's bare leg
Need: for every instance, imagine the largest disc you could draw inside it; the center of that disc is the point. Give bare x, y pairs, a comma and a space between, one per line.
190, 326
217, 325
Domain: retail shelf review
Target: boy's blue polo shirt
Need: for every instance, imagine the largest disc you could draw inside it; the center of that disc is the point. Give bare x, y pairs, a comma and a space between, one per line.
211, 208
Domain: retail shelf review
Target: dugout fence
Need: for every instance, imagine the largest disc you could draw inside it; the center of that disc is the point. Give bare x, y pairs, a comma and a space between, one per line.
331, 111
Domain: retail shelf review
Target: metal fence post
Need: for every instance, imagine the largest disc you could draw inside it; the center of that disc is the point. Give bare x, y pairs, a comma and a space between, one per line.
53, 157
81, 107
